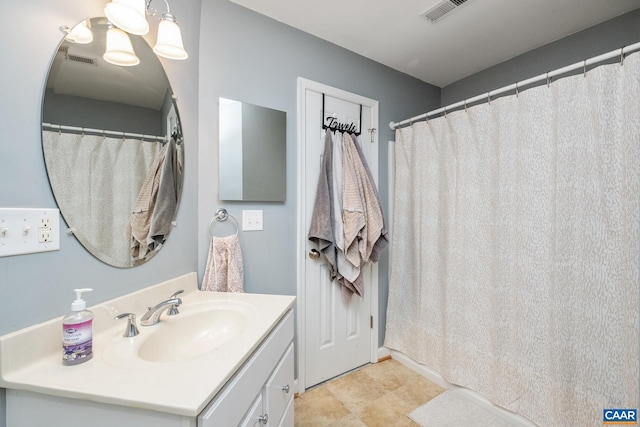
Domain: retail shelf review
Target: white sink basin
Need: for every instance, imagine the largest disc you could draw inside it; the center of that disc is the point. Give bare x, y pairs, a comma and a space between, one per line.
199, 328
185, 336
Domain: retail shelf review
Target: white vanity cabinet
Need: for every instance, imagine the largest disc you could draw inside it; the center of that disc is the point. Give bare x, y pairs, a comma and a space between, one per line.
261, 392
245, 380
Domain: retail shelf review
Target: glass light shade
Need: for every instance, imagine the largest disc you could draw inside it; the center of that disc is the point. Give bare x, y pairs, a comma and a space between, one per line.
119, 50
128, 15
169, 42
80, 34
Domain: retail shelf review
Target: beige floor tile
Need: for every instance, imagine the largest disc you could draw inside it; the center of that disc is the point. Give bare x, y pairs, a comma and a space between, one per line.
389, 410
318, 408
350, 420
356, 389
418, 391
390, 374
379, 395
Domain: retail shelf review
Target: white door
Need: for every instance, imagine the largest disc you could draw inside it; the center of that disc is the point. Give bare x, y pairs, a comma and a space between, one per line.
335, 337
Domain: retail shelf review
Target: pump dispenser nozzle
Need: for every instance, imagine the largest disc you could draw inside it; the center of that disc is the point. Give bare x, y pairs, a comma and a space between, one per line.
79, 304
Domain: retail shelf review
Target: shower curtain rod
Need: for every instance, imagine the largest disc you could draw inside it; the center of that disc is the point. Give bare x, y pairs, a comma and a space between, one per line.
104, 132
515, 86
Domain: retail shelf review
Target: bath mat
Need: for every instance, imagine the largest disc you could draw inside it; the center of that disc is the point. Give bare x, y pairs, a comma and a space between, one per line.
452, 409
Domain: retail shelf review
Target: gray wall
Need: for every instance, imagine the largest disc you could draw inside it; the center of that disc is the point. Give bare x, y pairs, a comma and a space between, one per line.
38, 287
602, 38
248, 57
90, 113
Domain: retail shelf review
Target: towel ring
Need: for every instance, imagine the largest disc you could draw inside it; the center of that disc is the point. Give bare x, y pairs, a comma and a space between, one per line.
220, 216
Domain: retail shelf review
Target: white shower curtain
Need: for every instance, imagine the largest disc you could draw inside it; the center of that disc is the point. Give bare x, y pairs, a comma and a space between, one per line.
515, 252
96, 181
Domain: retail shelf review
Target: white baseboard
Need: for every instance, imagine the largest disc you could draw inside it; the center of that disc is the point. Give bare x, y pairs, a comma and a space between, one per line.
477, 398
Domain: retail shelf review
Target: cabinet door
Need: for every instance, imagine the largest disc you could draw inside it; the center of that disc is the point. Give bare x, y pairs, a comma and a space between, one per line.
279, 388
254, 417
288, 417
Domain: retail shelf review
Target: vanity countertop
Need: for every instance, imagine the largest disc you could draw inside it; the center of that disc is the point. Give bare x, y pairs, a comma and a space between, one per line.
30, 359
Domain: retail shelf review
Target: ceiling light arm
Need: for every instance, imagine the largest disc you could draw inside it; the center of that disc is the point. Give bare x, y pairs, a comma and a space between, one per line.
152, 11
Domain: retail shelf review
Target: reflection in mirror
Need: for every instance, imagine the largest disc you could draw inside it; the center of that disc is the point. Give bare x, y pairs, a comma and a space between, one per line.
252, 153
113, 148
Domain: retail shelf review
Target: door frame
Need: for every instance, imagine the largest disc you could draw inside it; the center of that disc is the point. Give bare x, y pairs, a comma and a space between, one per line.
301, 250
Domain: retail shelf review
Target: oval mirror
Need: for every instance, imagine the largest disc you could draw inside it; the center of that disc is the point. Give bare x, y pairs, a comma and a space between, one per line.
113, 147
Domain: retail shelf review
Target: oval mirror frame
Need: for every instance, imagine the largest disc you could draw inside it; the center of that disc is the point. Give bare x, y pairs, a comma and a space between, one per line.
113, 147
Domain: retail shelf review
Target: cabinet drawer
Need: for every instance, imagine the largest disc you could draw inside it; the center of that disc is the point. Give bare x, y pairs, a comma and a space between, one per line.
280, 387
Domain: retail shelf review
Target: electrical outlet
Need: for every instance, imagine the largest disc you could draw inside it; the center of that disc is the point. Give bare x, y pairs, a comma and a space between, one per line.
44, 235
45, 222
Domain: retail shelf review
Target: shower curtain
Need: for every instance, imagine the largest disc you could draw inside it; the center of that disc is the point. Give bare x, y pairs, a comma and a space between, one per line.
96, 180
515, 250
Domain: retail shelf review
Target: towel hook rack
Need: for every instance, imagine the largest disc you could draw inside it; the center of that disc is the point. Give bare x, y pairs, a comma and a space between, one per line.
220, 216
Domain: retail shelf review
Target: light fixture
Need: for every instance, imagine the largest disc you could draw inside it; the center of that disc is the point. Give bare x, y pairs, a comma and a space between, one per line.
169, 42
80, 34
129, 15
119, 49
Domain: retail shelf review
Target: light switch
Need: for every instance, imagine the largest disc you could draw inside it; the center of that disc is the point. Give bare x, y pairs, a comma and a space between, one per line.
28, 230
252, 220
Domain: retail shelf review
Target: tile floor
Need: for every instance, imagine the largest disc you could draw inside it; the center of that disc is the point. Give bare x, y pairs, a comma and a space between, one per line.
375, 395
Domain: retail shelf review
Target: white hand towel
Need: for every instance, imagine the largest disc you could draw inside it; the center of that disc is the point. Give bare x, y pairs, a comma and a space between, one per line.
224, 272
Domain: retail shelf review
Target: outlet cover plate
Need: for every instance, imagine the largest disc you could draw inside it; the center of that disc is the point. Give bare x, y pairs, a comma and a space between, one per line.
29, 230
251, 220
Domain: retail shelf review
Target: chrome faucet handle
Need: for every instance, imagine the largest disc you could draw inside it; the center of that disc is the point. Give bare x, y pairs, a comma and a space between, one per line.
132, 329
174, 308
175, 294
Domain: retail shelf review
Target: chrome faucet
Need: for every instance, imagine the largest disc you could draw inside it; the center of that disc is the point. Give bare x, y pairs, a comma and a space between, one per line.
152, 316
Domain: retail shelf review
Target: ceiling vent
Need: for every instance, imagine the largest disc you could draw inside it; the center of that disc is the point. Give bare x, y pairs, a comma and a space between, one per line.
82, 59
77, 58
442, 9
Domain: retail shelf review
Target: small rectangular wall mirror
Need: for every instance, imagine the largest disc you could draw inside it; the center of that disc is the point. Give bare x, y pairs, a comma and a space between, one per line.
252, 152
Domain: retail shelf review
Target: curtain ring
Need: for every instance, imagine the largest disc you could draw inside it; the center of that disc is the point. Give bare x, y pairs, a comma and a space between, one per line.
489, 97
445, 111
548, 79
516, 89
465, 106
584, 68
622, 55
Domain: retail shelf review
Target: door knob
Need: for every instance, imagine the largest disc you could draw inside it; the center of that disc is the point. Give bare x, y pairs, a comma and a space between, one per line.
314, 254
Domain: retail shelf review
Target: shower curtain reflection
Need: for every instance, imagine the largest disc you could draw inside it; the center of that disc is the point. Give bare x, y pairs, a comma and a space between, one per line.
96, 181
514, 263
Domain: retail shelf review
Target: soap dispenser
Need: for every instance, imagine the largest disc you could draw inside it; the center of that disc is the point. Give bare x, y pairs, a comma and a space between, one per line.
77, 332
